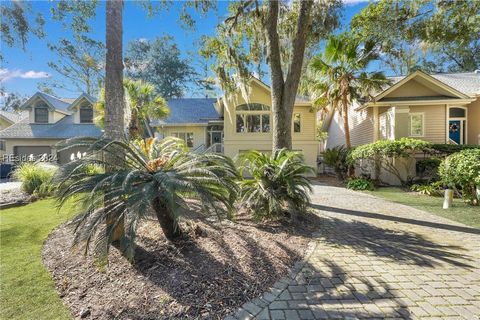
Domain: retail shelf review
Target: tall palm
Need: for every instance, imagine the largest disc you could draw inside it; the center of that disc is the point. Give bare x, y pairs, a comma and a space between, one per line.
338, 77
148, 176
143, 103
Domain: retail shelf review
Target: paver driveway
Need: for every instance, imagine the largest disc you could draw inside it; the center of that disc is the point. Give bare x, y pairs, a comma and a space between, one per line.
375, 259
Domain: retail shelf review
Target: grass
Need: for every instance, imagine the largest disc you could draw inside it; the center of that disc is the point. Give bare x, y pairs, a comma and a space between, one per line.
460, 212
27, 290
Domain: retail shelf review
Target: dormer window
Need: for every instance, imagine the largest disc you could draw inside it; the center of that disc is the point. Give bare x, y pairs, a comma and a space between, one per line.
41, 113
86, 113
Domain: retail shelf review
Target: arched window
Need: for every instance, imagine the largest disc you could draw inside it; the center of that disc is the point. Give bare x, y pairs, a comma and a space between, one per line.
41, 112
253, 118
86, 113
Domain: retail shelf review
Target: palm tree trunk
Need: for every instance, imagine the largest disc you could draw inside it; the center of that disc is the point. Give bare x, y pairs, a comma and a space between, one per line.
346, 126
169, 227
114, 93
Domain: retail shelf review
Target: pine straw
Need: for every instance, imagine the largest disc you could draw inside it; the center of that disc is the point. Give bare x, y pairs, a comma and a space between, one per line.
211, 273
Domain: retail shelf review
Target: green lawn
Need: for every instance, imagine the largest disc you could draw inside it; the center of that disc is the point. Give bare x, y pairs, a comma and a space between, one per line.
461, 212
26, 288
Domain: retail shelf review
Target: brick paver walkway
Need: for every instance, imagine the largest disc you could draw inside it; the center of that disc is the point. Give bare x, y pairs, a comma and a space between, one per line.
375, 259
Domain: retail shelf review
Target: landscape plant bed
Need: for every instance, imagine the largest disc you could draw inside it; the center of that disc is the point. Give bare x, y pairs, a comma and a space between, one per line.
218, 267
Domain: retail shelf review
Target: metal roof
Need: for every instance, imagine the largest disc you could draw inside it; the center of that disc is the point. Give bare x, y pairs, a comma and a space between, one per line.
190, 110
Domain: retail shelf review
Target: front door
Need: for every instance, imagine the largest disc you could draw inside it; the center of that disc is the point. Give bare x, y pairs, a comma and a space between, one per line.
455, 131
216, 137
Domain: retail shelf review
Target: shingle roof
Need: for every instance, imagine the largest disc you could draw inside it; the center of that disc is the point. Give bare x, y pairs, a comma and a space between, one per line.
13, 117
466, 82
193, 110
63, 129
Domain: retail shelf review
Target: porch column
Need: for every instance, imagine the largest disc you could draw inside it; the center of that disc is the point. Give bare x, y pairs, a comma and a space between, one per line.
376, 123
401, 121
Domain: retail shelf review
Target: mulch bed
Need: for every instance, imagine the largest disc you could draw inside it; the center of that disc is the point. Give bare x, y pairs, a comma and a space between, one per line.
207, 275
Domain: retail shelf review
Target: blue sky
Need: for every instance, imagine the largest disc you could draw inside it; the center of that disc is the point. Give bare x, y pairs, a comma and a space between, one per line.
23, 70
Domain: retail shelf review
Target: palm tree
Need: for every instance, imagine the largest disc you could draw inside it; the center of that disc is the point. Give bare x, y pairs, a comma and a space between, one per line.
279, 184
148, 176
143, 103
338, 77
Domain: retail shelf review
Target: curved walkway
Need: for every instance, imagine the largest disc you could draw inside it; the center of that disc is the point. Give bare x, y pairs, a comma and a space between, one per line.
375, 259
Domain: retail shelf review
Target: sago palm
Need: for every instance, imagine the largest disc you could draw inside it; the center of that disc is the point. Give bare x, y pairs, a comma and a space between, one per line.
338, 77
150, 178
142, 102
278, 183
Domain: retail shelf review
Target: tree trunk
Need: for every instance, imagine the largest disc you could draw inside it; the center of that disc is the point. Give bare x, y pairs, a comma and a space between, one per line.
114, 92
166, 221
346, 126
284, 91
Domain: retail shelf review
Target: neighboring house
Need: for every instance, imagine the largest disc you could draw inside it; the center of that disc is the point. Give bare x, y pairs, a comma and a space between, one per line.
7, 119
237, 123
49, 121
440, 108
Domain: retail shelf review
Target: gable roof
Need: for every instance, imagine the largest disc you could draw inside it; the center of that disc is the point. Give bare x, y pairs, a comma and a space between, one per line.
422, 75
83, 96
63, 129
13, 117
53, 102
299, 100
189, 110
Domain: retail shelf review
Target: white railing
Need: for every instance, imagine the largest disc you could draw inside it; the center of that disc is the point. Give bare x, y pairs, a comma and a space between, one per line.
215, 148
200, 149
450, 141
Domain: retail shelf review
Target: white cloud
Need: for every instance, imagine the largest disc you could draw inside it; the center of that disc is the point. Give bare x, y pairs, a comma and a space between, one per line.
354, 2
6, 74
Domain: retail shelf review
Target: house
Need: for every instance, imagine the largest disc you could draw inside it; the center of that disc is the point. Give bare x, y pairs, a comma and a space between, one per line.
230, 125
236, 123
49, 121
8, 118
439, 108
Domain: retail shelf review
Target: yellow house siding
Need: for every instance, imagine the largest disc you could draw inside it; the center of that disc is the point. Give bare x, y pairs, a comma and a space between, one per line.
199, 133
4, 124
473, 122
234, 142
413, 88
434, 120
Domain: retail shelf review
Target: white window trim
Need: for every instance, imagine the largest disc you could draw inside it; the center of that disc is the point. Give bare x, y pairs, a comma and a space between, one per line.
254, 113
410, 124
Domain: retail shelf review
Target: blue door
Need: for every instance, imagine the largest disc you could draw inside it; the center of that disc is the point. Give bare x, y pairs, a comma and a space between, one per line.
454, 130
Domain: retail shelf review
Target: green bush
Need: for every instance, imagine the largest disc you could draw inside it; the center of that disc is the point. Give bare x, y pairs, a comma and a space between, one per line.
360, 184
428, 168
36, 178
432, 189
338, 159
384, 152
462, 169
448, 149
278, 185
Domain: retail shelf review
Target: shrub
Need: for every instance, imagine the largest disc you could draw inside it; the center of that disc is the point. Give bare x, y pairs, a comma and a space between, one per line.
463, 169
428, 168
383, 153
432, 189
278, 184
338, 159
36, 178
360, 184
146, 177
448, 149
